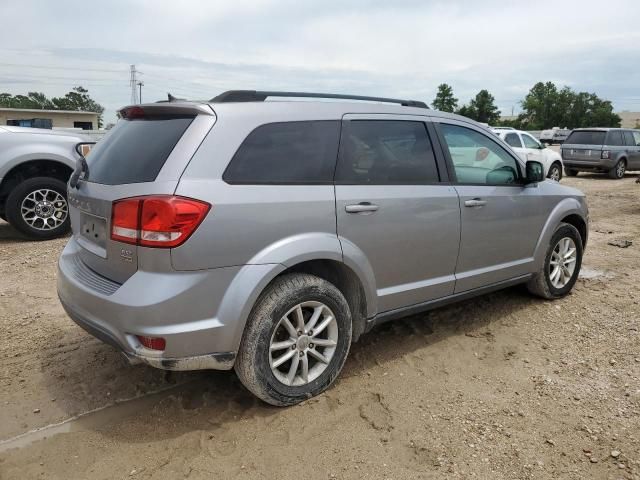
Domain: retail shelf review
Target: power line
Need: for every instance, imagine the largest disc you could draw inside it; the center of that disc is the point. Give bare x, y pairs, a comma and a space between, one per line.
55, 67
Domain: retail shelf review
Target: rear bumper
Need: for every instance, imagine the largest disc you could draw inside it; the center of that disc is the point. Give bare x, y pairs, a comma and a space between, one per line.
601, 165
213, 361
181, 307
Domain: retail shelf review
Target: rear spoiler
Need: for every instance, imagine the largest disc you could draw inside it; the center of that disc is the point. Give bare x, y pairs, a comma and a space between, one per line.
177, 108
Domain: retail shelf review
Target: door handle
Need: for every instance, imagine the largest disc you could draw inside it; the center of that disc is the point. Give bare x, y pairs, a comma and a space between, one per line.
476, 202
362, 207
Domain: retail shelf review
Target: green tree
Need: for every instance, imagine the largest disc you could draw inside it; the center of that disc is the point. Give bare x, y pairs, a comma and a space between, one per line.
545, 106
445, 101
539, 106
77, 99
482, 108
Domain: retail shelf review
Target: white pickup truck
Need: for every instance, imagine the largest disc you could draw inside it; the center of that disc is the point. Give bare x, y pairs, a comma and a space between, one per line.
35, 165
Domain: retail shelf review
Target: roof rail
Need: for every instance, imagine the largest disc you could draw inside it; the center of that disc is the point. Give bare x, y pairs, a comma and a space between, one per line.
261, 96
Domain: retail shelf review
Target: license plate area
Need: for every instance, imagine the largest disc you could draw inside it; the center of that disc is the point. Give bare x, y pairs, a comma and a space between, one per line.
93, 230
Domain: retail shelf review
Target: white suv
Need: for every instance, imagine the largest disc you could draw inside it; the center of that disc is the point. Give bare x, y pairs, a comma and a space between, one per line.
528, 148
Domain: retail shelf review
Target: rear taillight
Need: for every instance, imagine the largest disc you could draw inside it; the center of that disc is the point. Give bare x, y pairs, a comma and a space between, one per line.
606, 154
162, 221
153, 343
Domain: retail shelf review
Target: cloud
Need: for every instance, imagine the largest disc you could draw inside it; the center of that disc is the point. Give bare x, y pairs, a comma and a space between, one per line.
405, 49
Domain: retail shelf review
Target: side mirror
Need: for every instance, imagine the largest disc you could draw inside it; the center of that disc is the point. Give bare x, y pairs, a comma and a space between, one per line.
534, 172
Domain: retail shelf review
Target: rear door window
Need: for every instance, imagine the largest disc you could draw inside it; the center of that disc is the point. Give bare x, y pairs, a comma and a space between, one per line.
614, 138
636, 137
513, 140
586, 137
386, 152
135, 150
287, 153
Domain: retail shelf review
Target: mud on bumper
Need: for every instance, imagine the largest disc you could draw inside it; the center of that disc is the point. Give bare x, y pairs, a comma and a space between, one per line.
212, 361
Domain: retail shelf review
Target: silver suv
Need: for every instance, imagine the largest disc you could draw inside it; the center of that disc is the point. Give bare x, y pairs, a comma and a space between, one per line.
602, 150
269, 235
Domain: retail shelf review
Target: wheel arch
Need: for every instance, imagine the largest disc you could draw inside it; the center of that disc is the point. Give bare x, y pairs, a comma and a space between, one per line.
569, 210
318, 253
252, 281
33, 168
580, 224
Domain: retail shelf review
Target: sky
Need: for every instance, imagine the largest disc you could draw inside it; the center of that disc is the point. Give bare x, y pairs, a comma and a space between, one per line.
198, 48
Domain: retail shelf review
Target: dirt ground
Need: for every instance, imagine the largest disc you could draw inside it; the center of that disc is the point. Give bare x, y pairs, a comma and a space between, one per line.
505, 386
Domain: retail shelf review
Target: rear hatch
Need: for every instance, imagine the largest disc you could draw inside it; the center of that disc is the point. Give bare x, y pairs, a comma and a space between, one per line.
584, 145
144, 154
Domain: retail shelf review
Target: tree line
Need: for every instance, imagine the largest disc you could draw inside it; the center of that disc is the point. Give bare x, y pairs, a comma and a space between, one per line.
77, 99
545, 106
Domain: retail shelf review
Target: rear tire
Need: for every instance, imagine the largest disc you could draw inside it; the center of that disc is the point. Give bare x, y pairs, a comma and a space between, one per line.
545, 283
570, 172
268, 339
38, 208
618, 171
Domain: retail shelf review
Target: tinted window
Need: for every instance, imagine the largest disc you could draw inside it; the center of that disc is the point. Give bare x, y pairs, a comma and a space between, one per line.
586, 137
386, 152
513, 140
287, 153
614, 138
135, 150
628, 138
529, 142
477, 159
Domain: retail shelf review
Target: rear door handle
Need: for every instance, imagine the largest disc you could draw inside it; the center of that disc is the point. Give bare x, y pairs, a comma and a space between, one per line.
476, 202
362, 207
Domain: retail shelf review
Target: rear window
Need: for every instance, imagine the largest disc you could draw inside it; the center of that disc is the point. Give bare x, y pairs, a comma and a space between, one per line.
135, 150
586, 137
287, 153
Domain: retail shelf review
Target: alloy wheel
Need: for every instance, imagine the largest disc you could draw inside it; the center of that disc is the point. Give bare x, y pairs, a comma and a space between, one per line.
303, 343
44, 209
563, 262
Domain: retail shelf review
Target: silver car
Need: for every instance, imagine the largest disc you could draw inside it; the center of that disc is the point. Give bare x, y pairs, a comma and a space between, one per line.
267, 236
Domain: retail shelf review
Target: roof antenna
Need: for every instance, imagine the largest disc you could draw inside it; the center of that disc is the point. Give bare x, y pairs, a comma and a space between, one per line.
171, 98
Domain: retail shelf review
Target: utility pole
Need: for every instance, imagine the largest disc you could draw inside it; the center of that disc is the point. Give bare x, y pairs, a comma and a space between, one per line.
140, 84
133, 83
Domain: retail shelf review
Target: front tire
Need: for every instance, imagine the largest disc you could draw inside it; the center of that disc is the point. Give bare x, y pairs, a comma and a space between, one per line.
618, 171
38, 208
555, 172
570, 172
561, 265
296, 340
